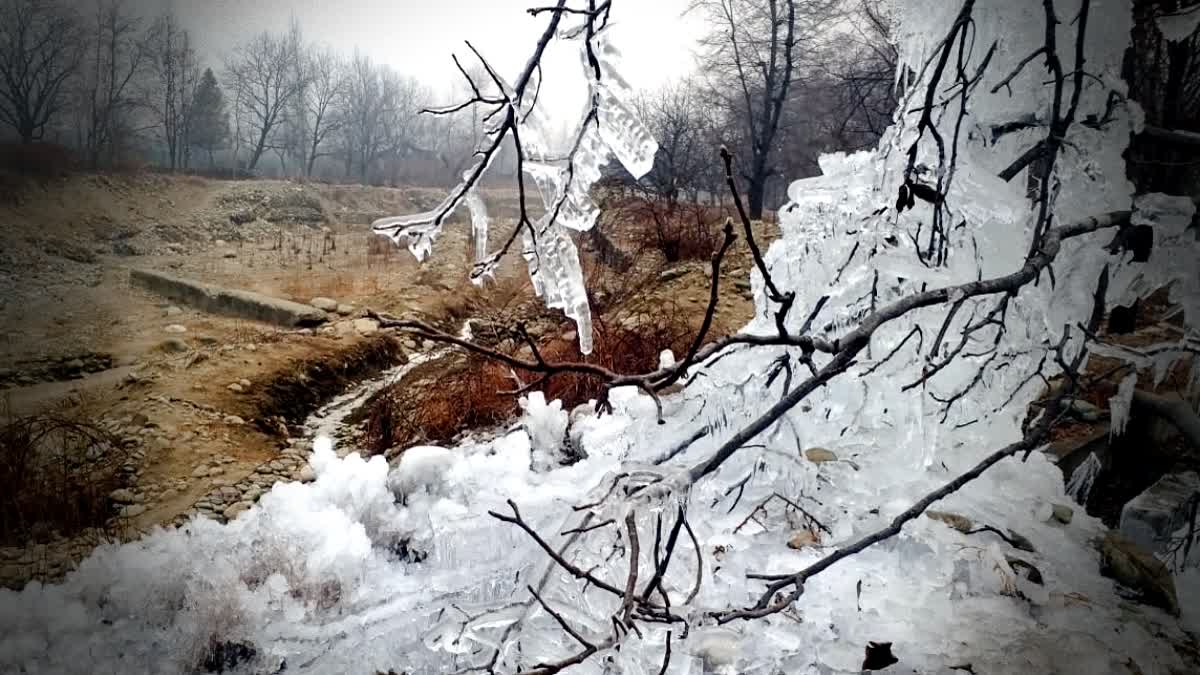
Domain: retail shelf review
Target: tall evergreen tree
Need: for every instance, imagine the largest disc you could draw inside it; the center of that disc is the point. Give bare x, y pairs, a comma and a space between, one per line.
210, 119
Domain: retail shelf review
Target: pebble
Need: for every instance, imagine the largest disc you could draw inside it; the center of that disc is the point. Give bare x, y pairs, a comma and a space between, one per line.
176, 328
820, 455
234, 420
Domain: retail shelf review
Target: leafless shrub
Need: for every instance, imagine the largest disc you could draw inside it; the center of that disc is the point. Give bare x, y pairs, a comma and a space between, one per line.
56, 475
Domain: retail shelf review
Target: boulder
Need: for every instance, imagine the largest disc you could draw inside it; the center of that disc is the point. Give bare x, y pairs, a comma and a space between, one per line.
324, 304
1137, 569
236, 510
366, 326
123, 496
1151, 518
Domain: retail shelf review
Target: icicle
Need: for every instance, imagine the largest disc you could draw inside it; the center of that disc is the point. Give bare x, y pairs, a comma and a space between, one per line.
1120, 404
1082, 479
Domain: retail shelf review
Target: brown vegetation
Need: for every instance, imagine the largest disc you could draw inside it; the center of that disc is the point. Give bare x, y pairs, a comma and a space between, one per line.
677, 229
439, 400
56, 475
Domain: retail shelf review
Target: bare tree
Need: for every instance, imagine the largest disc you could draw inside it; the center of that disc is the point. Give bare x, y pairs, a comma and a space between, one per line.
176, 76
262, 72
381, 106
756, 49
118, 56
673, 114
322, 100
40, 50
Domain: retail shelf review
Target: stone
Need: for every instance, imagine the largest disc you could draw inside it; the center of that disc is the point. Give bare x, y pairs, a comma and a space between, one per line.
307, 474
173, 346
245, 383
1151, 518
1086, 412
132, 511
123, 496
175, 328
236, 510
366, 326
345, 310
820, 455
1062, 513
324, 304
960, 523
802, 539
172, 311
139, 420
1138, 569
233, 420
672, 274
235, 387
214, 471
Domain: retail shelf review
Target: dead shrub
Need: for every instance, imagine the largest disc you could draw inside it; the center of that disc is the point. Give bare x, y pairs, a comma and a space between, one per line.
439, 400
37, 160
56, 475
628, 347
679, 230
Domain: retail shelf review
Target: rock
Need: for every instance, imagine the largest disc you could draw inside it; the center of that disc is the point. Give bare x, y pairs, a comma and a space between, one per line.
139, 420
1151, 518
366, 326
1137, 569
820, 455
324, 304
172, 311
1021, 542
207, 340
229, 255
123, 496
236, 510
234, 420
132, 511
245, 383
672, 274
802, 539
1062, 513
960, 523
1086, 412
1032, 573
345, 310
235, 387
307, 474
175, 328
215, 471
173, 346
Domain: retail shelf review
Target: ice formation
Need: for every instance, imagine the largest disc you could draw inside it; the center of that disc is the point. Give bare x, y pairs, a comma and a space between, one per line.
317, 575
608, 128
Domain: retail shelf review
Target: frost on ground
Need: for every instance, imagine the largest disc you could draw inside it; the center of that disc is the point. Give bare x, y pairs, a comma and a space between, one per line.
363, 570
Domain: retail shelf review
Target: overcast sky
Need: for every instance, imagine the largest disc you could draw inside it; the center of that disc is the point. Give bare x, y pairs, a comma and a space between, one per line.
418, 37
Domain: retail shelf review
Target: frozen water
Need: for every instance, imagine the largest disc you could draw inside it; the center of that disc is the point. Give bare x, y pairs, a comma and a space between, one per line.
607, 128
317, 574
1120, 404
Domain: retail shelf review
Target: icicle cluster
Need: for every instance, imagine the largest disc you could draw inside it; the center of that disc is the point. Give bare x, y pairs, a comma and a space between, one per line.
607, 128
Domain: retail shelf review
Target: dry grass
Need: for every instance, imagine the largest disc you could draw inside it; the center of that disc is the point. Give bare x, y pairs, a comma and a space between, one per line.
56, 474
439, 400
621, 348
678, 230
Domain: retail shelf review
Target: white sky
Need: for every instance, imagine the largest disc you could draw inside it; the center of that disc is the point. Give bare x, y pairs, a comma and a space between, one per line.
418, 37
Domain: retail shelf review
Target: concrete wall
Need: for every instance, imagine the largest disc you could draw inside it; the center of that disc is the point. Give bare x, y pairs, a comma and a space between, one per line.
228, 302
